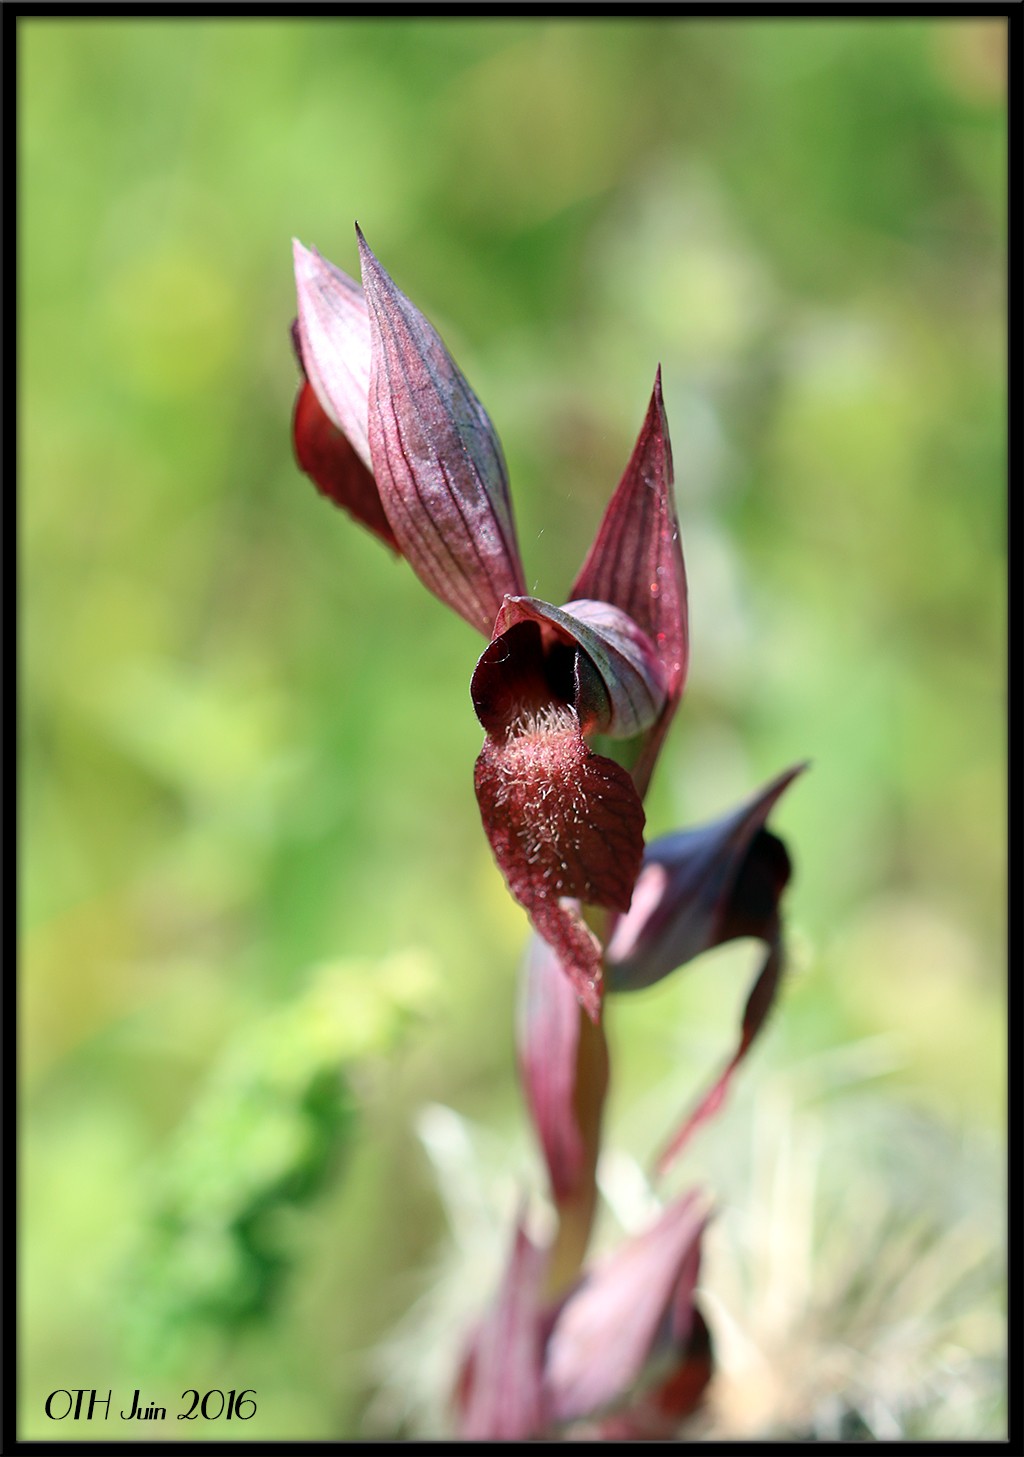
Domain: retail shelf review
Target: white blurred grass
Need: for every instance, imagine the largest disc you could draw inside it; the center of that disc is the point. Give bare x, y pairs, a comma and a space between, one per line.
853, 1272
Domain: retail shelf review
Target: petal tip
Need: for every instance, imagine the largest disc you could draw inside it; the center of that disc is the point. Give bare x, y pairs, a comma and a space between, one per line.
307, 261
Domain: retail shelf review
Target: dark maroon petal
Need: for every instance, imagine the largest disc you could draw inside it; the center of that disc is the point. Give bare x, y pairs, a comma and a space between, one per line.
564, 1090
565, 825
437, 459
329, 460
699, 889
623, 1314
334, 343
622, 690
759, 1002
517, 678
499, 1389
636, 564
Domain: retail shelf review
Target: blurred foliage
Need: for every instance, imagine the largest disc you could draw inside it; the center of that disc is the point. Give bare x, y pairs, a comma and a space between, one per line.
274, 1121
245, 734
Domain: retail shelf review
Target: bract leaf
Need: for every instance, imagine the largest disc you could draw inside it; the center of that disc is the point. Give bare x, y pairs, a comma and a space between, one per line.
499, 1390
610, 1326
655, 1414
437, 459
565, 1115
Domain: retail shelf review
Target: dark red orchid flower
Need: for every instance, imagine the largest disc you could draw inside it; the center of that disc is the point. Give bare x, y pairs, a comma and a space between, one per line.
566, 823
575, 701
625, 1353
389, 429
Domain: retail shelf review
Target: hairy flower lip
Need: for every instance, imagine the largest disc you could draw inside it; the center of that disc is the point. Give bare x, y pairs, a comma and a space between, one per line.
565, 825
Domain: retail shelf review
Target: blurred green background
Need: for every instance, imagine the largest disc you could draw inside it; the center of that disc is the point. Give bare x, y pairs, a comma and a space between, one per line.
267, 965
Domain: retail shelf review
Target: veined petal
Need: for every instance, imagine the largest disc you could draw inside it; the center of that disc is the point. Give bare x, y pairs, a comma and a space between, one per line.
334, 342
499, 1388
614, 1322
565, 825
620, 688
437, 459
329, 459
564, 1090
636, 564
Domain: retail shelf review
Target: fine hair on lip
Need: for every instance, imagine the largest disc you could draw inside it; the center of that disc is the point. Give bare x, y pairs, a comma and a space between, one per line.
546, 718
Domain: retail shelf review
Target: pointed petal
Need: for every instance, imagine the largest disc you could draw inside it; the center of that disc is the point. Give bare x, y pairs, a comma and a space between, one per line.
620, 688
759, 1002
621, 1314
564, 1090
636, 564
334, 343
700, 887
437, 459
499, 1389
328, 458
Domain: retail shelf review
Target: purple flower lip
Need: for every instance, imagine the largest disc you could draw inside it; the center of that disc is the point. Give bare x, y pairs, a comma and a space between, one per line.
565, 824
